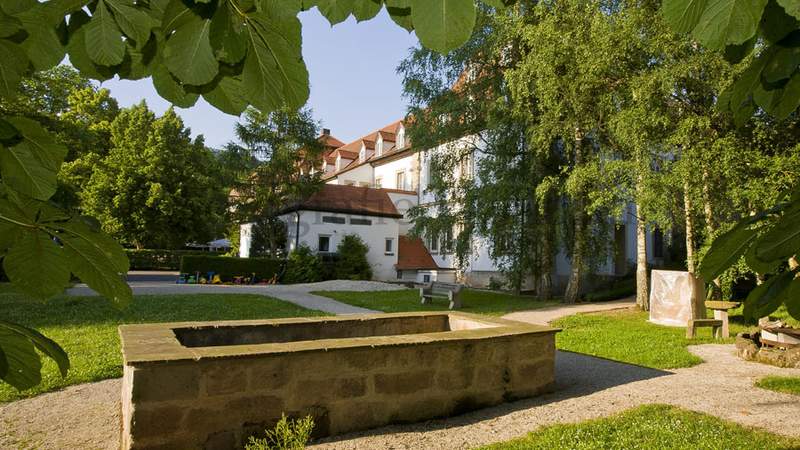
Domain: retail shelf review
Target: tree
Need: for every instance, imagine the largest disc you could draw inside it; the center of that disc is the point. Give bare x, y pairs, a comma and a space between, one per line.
352, 261
155, 189
275, 143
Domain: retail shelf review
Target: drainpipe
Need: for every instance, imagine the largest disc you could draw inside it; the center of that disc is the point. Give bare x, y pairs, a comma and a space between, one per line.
297, 230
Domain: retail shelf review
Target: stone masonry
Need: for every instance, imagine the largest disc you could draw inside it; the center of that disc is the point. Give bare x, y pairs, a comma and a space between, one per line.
215, 397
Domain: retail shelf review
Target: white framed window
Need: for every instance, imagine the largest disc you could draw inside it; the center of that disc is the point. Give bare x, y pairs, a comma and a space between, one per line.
447, 242
433, 245
339, 162
401, 137
363, 183
362, 155
379, 146
358, 221
389, 246
333, 219
324, 243
349, 183
378, 183
400, 181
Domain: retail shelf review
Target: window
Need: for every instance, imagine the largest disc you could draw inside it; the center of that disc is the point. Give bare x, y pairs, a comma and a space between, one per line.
426, 278
401, 138
399, 274
401, 180
349, 183
447, 242
354, 221
379, 146
333, 219
363, 184
362, 155
466, 166
324, 243
339, 162
433, 245
378, 183
389, 249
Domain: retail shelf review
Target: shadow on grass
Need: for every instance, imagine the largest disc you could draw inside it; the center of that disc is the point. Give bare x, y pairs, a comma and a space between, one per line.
577, 375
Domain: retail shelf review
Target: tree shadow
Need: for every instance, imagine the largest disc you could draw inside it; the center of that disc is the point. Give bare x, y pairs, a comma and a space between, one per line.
577, 375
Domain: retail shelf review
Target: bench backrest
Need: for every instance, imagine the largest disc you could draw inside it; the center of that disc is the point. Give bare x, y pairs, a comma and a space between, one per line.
439, 287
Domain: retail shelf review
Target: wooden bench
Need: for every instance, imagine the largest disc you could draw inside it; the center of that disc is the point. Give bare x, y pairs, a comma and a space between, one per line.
720, 309
452, 292
694, 324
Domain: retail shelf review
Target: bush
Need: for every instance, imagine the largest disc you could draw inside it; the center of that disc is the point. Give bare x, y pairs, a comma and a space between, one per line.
618, 289
303, 266
288, 434
228, 267
148, 259
353, 264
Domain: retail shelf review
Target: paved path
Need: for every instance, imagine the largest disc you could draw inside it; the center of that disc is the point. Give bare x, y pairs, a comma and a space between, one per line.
546, 315
299, 294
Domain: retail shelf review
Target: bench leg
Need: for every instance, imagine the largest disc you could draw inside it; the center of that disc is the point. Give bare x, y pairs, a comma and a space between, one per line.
690, 330
723, 316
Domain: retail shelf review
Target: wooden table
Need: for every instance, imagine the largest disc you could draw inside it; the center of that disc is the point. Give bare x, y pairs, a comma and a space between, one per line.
720, 309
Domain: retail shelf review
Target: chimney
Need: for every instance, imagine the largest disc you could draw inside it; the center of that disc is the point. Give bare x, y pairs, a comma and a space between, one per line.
326, 131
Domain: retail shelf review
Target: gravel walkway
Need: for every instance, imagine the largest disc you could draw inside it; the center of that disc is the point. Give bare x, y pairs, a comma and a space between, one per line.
299, 294
87, 416
544, 316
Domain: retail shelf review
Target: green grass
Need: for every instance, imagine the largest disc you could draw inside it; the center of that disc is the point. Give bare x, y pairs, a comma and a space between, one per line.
651, 427
87, 327
479, 302
787, 385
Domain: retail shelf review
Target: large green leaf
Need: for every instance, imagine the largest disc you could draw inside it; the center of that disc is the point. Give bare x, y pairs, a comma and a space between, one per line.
726, 22
782, 241
135, 23
443, 25
14, 65
366, 9
782, 64
37, 266
775, 23
227, 36
31, 166
793, 299
779, 102
792, 7
97, 260
683, 15
274, 72
171, 89
767, 297
103, 37
228, 96
188, 53
726, 250
42, 343
78, 53
9, 25
760, 266
42, 45
336, 11
20, 365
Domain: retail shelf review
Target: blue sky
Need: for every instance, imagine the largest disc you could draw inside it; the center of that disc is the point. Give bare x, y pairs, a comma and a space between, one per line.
354, 87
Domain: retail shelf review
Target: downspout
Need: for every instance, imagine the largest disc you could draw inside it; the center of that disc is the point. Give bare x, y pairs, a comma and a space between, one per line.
297, 230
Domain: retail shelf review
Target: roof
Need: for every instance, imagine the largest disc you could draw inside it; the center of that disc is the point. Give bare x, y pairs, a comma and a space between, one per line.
337, 198
389, 133
412, 254
330, 141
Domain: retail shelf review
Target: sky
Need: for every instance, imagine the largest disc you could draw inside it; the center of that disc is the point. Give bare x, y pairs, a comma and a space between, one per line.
352, 68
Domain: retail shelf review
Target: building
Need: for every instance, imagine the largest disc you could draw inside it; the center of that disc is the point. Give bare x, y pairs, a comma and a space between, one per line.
370, 185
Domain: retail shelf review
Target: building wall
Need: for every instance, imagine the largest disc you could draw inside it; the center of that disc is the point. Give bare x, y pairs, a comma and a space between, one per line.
388, 173
312, 226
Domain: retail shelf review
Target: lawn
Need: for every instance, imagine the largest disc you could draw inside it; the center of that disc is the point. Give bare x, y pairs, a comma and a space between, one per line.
627, 336
787, 385
475, 301
651, 426
87, 327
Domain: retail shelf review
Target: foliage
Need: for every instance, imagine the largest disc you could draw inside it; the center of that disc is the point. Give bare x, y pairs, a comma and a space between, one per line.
619, 289
650, 426
87, 327
288, 434
405, 300
151, 259
787, 385
229, 267
352, 263
155, 189
302, 266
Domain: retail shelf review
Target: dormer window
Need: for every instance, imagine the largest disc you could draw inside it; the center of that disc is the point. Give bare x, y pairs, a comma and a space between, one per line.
401, 137
362, 155
379, 146
339, 162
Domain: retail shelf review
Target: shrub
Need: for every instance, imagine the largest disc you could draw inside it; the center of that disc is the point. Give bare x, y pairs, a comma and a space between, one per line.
353, 264
288, 434
303, 266
228, 267
618, 289
150, 259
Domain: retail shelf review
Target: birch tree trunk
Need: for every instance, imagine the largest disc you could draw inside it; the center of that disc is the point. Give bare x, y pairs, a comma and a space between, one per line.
688, 207
579, 235
642, 280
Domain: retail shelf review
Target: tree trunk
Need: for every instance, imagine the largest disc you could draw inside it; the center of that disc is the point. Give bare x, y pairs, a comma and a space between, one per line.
546, 267
579, 236
708, 211
642, 282
688, 207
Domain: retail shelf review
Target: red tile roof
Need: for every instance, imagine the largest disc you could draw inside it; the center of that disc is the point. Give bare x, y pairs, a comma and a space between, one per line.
338, 198
412, 254
330, 141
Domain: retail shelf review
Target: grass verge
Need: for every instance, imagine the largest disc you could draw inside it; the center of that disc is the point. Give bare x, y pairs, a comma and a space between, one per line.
787, 385
86, 327
406, 300
650, 426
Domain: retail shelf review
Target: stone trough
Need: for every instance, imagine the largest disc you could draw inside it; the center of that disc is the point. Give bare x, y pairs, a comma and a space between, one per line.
214, 384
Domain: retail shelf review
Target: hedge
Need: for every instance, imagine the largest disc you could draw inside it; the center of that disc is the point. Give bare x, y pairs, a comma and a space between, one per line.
228, 267
150, 259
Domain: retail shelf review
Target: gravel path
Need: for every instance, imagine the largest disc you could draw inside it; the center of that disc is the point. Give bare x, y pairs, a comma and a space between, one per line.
87, 416
299, 294
544, 316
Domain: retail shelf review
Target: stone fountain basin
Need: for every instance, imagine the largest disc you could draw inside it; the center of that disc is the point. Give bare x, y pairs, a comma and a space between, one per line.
214, 384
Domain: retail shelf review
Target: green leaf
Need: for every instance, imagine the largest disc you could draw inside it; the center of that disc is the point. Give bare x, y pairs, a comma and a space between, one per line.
42, 45
176, 14
443, 25
726, 22
775, 23
734, 54
726, 250
780, 102
782, 241
792, 300
791, 7
103, 38
97, 260
31, 166
9, 25
135, 23
188, 53
274, 72
400, 13
139, 63
77, 49
782, 64
20, 365
227, 36
42, 343
336, 11
15, 63
37, 266
683, 15
366, 9
227, 96
7, 131
168, 87
767, 297
760, 266
8, 234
